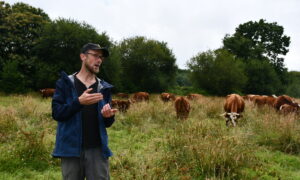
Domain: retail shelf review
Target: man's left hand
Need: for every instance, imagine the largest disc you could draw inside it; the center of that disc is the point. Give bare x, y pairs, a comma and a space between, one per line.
107, 111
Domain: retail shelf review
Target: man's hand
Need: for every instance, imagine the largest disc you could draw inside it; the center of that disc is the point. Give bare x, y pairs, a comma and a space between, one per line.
88, 99
107, 111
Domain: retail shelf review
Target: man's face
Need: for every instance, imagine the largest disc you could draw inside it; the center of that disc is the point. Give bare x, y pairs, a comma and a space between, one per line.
92, 60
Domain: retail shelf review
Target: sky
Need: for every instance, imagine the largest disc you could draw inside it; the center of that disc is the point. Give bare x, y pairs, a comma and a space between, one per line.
188, 27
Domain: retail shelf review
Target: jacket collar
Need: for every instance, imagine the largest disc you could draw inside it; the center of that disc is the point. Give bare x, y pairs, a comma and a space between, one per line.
71, 79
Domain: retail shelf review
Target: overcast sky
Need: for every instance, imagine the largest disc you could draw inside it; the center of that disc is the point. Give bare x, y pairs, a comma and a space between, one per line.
188, 27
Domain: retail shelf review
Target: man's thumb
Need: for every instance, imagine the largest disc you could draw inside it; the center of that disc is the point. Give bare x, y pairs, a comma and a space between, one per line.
88, 90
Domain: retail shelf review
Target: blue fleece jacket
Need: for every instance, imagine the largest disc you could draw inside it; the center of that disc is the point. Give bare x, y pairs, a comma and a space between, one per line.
66, 110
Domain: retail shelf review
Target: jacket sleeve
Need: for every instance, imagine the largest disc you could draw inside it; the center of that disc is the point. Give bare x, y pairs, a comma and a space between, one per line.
62, 109
108, 121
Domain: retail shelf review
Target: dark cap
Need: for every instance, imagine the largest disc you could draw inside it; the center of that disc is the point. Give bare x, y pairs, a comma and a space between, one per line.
92, 46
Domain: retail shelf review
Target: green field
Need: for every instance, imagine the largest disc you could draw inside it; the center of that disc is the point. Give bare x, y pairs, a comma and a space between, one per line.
150, 143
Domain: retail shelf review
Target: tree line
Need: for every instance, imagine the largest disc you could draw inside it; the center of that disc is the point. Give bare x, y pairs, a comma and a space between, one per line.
34, 49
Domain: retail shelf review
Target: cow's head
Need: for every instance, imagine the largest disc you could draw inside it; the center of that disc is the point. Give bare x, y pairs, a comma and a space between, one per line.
233, 115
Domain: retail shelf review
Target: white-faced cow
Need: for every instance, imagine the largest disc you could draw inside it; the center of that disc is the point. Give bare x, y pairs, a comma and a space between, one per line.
234, 106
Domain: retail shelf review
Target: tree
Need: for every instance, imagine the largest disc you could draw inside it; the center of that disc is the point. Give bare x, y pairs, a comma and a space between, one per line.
59, 47
182, 77
148, 65
259, 40
21, 25
12, 81
262, 78
293, 89
260, 43
217, 72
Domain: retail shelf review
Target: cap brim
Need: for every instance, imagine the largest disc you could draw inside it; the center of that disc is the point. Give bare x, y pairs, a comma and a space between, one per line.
104, 50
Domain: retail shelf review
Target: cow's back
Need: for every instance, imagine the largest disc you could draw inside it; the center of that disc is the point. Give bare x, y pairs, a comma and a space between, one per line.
234, 103
141, 96
182, 107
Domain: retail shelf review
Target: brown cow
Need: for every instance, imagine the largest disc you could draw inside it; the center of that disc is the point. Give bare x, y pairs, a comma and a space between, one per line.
249, 97
182, 107
194, 96
284, 99
165, 97
122, 95
286, 109
270, 100
47, 92
122, 105
141, 96
234, 106
260, 100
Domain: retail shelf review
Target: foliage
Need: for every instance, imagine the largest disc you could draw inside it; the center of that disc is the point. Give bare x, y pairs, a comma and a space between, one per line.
182, 77
293, 88
13, 81
262, 78
59, 47
21, 25
217, 72
148, 65
257, 44
259, 40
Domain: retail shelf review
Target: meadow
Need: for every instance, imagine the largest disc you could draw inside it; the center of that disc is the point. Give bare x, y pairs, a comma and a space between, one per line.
149, 142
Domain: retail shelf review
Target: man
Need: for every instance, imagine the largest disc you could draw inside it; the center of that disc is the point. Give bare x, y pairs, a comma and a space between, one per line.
81, 106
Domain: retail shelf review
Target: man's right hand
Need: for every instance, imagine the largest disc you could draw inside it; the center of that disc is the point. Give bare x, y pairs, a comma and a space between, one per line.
86, 98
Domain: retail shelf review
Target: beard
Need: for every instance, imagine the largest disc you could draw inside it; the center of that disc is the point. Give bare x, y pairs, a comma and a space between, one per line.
92, 68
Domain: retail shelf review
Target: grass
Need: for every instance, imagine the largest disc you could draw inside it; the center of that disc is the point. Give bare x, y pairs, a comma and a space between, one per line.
149, 142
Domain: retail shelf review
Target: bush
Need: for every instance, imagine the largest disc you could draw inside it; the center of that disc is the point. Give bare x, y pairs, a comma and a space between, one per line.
12, 80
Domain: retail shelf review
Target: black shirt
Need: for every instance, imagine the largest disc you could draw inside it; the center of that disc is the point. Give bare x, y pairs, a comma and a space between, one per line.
90, 122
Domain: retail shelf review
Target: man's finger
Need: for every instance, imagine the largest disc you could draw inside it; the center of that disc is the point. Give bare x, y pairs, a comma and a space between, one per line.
88, 90
114, 110
96, 95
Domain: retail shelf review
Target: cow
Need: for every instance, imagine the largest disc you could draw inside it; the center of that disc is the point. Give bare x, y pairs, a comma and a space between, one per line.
284, 99
260, 100
121, 105
250, 97
270, 100
286, 109
47, 92
122, 95
165, 97
234, 106
141, 96
194, 96
182, 107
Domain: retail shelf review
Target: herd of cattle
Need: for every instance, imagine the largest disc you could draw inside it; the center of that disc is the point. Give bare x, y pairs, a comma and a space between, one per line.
233, 107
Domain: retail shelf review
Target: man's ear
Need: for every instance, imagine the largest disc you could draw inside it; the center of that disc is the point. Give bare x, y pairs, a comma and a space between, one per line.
82, 56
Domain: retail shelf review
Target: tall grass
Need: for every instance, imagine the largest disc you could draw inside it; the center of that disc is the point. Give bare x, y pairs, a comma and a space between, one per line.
149, 142
25, 128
